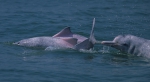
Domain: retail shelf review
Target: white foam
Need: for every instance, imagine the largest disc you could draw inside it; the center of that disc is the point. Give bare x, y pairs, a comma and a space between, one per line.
105, 49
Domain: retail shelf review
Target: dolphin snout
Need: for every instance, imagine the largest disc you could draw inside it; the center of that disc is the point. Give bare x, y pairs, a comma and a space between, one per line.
108, 43
16, 43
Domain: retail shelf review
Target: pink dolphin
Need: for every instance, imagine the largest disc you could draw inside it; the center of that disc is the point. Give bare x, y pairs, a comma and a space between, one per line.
63, 39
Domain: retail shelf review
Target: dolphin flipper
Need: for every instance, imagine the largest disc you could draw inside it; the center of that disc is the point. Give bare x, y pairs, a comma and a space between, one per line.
66, 32
92, 38
88, 43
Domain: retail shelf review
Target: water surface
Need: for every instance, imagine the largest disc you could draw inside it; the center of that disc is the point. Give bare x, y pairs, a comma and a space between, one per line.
21, 19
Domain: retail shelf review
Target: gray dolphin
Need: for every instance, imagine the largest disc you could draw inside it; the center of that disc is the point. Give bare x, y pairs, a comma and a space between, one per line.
63, 39
131, 45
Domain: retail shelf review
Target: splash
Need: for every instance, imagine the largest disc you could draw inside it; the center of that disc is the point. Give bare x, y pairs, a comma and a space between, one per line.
52, 48
88, 51
105, 49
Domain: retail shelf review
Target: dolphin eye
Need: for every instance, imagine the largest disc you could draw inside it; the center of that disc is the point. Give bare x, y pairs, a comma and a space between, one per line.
125, 44
17, 42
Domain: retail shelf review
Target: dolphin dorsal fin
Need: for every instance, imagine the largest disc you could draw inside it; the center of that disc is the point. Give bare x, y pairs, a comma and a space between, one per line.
72, 41
66, 32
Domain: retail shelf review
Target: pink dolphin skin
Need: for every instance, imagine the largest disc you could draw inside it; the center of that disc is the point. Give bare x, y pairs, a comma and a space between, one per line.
63, 39
130, 44
66, 32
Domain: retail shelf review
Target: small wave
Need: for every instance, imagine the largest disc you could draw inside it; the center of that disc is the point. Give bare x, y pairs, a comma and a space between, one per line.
64, 49
50, 48
88, 51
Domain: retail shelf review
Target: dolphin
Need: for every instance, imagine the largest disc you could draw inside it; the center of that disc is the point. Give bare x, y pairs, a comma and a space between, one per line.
45, 41
62, 40
130, 44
